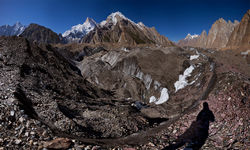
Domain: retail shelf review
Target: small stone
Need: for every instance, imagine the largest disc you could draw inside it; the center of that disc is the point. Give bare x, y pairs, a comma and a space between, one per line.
26, 134
10, 101
151, 144
31, 142
21, 119
28, 124
12, 113
87, 148
45, 133
174, 131
77, 147
21, 131
223, 115
32, 133
18, 141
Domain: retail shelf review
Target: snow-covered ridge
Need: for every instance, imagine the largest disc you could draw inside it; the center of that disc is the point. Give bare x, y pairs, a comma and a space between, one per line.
112, 18
86, 27
78, 31
189, 36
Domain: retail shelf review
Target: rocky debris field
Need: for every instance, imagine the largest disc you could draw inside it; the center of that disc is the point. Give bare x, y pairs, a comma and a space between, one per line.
48, 103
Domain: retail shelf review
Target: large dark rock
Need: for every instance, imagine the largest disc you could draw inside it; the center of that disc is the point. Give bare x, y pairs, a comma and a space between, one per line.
40, 34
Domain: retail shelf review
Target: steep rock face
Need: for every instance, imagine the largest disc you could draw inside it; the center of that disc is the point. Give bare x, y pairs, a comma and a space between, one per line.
119, 29
76, 32
8, 30
217, 37
240, 37
202, 40
219, 33
40, 34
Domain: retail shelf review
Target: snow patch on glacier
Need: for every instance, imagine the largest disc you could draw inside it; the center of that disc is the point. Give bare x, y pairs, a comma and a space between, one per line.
192, 57
163, 98
182, 82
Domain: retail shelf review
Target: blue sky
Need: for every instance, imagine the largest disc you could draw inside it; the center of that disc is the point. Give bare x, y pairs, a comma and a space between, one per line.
174, 19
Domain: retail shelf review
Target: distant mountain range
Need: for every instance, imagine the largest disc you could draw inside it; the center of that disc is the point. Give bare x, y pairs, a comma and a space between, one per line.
115, 29
222, 35
118, 29
217, 37
15, 29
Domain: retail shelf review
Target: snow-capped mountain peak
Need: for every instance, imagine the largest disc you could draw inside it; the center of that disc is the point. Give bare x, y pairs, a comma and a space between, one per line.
113, 18
78, 31
18, 27
89, 23
189, 36
8, 30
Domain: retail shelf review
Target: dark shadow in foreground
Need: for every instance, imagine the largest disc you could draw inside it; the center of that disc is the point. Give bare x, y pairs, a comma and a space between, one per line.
197, 133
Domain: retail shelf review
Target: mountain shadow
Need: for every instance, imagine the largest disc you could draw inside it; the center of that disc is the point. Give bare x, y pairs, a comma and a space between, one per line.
196, 135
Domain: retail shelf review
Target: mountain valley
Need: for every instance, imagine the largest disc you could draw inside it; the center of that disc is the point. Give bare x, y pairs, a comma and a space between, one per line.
122, 85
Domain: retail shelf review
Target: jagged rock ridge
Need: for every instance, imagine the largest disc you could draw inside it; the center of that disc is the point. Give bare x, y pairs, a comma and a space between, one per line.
240, 37
76, 33
216, 38
119, 29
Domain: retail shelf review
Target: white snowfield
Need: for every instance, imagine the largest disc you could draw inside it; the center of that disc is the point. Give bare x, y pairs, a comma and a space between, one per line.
163, 98
182, 82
